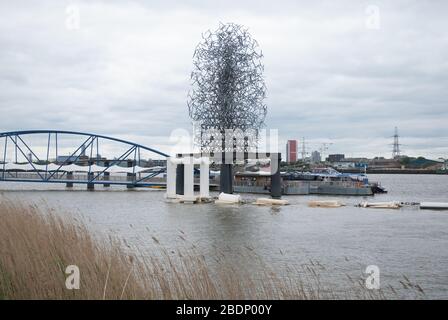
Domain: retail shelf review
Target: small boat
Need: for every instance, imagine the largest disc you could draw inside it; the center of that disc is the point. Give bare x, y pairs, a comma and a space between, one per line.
325, 203
377, 188
381, 205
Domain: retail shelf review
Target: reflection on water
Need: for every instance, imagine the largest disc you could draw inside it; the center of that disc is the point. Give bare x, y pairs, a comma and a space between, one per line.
406, 241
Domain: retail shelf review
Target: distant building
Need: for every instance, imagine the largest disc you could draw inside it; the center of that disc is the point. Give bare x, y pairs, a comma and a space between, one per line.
336, 157
291, 151
156, 163
358, 160
343, 164
151, 163
66, 159
83, 150
381, 163
349, 163
315, 157
79, 159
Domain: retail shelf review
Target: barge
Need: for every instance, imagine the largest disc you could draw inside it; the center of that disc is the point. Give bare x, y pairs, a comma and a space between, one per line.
325, 181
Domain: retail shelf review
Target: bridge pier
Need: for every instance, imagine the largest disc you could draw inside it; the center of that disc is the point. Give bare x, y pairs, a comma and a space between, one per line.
226, 178
106, 175
90, 186
180, 179
130, 176
171, 178
69, 177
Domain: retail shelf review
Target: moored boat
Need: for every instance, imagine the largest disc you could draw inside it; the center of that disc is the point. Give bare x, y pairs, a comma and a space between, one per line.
326, 181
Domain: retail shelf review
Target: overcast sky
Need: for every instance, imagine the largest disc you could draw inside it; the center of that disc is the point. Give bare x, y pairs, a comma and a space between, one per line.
345, 74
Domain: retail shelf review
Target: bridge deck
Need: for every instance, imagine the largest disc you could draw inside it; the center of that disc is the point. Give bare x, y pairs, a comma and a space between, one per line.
120, 180
111, 182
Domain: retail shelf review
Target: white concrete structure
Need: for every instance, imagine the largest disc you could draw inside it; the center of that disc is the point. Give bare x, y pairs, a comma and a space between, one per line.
434, 205
189, 163
204, 184
170, 179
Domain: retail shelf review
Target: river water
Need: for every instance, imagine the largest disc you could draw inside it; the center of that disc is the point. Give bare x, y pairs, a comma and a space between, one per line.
407, 241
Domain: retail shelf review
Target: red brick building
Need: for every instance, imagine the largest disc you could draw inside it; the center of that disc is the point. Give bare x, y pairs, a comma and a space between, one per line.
291, 151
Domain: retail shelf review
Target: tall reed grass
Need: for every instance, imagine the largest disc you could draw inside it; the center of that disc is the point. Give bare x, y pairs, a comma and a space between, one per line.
36, 247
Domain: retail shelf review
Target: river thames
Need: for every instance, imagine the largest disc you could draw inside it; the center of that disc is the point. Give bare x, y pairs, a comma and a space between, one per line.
406, 242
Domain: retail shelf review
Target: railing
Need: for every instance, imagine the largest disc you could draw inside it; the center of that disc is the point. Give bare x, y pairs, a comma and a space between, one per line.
248, 183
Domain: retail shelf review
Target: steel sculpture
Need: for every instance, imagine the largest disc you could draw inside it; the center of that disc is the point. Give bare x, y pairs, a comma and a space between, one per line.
226, 101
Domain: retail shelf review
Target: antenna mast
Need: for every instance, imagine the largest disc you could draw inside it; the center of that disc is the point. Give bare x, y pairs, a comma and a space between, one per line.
396, 145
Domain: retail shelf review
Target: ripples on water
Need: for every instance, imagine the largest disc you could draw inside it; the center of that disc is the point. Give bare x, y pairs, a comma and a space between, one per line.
345, 240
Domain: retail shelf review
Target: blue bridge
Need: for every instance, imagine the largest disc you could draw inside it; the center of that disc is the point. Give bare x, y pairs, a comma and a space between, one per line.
53, 156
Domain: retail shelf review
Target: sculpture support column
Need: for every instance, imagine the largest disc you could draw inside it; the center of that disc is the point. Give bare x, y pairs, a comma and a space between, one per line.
226, 178
189, 179
170, 179
204, 188
180, 179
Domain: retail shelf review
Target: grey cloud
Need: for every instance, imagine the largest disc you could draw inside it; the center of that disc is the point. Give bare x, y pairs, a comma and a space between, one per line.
125, 72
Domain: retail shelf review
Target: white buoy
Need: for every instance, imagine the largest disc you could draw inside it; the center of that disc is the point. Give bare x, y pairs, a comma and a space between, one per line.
226, 198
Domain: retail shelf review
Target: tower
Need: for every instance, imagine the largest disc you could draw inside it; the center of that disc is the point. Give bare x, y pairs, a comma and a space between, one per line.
396, 145
303, 149
291, 151
324, 147
83, 150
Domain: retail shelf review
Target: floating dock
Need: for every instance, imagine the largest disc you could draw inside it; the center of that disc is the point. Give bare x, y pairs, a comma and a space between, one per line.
434, 205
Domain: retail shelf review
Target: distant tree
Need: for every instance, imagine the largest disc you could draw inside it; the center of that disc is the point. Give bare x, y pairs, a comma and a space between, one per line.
405, 161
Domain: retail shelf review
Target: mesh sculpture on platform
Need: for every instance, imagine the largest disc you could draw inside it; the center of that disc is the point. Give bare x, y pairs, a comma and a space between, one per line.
228, 90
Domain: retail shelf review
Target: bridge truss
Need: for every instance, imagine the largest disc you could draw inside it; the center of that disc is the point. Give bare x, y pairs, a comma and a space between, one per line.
80, 166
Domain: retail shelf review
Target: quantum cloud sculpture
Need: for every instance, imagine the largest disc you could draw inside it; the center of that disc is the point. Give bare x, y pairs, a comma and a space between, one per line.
226, 98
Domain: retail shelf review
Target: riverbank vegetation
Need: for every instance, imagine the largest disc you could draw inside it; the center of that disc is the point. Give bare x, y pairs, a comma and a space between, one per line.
36, 247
